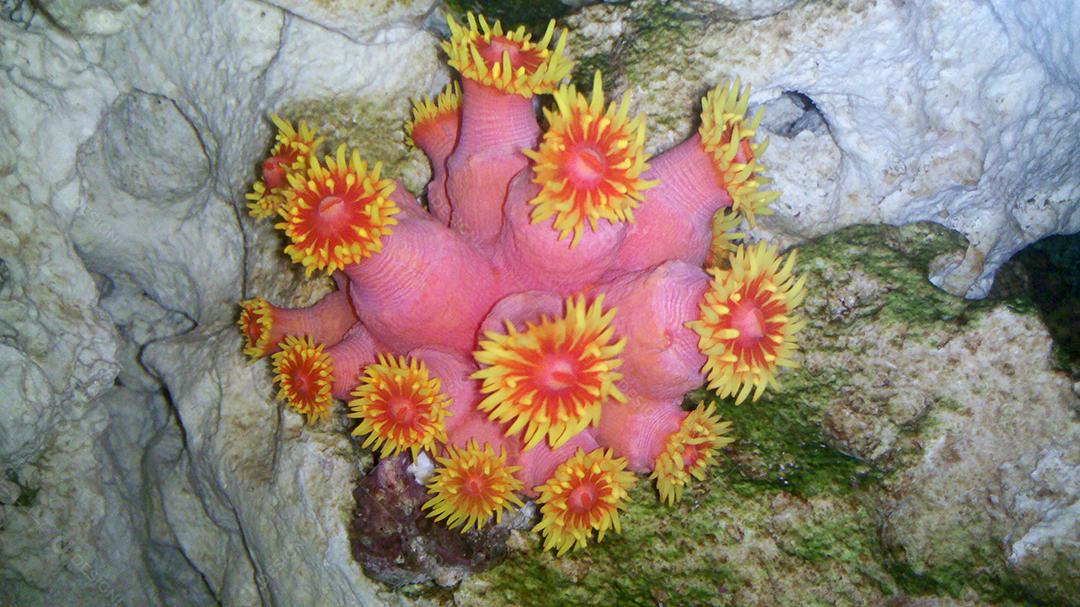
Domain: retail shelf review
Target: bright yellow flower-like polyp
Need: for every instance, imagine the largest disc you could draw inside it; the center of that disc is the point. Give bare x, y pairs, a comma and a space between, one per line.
470, 485
726, 135
400, 405
551, 378
337, 214
584, 494
589, 162
291, 154
426, 112
747, 325
506, 61
689, 451
255, 323
304, 374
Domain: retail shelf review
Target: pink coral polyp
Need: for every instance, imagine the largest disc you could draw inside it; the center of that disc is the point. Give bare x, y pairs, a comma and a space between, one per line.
543, 365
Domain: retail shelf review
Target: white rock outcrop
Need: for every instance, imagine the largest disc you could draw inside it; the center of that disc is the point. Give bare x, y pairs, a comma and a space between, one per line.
137, 451
958, 112
142, 462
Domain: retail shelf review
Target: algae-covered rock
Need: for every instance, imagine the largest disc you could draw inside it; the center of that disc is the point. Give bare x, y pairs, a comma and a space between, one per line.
925, 452
960, 404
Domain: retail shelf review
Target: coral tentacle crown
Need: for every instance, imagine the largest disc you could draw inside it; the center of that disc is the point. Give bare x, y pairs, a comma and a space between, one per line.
535, 328
400, 406
590, 163
337, 213
551, 378
506, 60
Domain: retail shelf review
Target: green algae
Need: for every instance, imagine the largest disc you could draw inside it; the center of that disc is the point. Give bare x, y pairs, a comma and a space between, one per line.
779, 442
975, 573
897, 259
711, 548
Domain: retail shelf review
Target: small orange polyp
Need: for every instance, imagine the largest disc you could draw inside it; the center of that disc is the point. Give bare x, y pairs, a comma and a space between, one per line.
291, 154
551, 379
506, 61
337, 214
256, 322
428, 114
688, 451
304, 374
589, 163
747, 325
723, 244
585, 493
471, 485
400, 405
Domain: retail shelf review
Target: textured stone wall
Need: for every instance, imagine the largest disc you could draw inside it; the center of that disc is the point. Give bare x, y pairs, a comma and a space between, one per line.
929, 447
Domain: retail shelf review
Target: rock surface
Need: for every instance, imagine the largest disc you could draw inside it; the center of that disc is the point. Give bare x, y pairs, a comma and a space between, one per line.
142, 462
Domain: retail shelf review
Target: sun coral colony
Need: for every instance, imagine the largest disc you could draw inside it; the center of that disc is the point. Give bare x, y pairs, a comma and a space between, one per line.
580, 289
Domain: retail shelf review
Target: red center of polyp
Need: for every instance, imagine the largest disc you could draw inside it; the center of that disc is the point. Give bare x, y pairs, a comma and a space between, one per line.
690, 455
584, 167
474, 485
303, 386
273, 169
254, 331
492, 52
331, 213
582, 498
745, 153
749, 319
402, 410
556, 373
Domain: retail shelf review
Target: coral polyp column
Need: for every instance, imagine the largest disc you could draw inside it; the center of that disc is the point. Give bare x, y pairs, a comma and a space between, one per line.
534, 257
434, 129
264, 325
673, 221
661, 359
487, 156
501, 72
426, 287
716, 168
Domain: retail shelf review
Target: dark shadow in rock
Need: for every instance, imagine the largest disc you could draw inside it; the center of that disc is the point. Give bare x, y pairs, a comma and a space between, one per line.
1047, 272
